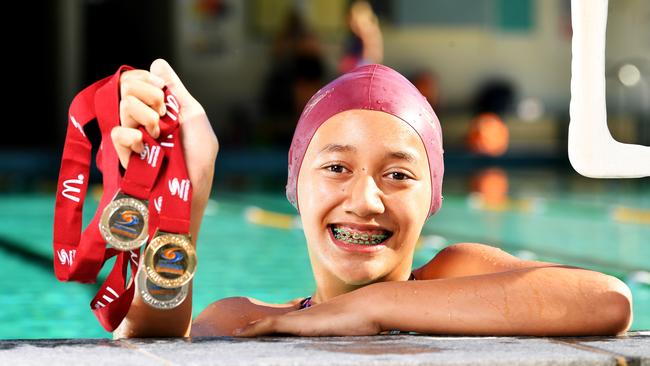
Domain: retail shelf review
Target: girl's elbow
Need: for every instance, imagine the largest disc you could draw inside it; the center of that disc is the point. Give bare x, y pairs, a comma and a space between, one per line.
618, 307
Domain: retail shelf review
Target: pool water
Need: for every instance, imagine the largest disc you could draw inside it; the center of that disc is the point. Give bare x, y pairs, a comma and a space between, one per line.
599, 225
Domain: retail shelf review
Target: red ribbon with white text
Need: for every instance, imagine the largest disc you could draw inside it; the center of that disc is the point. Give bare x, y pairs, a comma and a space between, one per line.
157, 173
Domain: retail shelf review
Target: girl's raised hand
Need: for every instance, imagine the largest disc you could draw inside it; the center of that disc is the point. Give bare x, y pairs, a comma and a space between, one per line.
142, 104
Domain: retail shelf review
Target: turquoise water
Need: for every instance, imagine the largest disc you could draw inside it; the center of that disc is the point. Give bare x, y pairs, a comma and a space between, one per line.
570, 220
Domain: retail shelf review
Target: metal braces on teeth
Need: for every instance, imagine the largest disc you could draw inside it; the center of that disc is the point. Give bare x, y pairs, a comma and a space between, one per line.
344, 235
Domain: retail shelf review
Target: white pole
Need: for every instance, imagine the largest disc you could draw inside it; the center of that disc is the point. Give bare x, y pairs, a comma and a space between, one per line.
592, 150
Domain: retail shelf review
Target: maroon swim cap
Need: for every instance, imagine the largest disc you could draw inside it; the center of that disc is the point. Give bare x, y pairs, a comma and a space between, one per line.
377, 88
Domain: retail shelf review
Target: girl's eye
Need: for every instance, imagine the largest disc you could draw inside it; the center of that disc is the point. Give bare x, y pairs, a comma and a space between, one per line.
399, 176
335, 168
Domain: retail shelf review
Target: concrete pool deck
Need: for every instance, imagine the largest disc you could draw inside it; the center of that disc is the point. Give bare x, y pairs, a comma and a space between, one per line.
630, 349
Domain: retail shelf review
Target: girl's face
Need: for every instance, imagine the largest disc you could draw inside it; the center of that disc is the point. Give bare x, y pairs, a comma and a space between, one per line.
364, 170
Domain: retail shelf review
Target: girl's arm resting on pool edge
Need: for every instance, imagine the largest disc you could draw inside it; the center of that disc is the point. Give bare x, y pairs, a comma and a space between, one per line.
145, 321
538, 301
535, 301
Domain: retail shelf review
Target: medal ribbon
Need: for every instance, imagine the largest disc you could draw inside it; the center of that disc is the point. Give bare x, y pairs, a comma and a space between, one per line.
143, 168
176, 192
79, 256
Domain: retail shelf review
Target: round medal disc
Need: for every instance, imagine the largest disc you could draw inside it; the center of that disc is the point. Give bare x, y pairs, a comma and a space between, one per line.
160, 297
124, 223
170, 260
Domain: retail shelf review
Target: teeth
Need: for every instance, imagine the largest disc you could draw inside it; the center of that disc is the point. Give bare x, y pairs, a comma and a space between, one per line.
358, 238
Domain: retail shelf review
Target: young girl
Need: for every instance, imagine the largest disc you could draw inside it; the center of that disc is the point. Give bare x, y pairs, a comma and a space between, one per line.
365, 173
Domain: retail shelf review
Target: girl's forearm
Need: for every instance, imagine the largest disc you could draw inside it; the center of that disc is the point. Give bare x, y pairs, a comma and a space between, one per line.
544, 301
143, 320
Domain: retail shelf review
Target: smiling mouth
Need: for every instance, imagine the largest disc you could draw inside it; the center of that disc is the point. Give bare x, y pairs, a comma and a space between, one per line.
368, 238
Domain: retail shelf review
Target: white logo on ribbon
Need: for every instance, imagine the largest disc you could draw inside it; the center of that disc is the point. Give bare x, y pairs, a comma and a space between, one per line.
179, 188
66, 257
151, 154
157, 203
69, 190
172, 105
134, 257
77, 125
107, 298
168, 144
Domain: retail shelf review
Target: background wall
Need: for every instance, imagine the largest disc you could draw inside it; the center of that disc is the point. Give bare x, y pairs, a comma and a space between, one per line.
222, 50
537, 60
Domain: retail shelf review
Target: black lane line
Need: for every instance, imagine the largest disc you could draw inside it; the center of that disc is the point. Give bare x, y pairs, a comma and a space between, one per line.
38, 260
23, 252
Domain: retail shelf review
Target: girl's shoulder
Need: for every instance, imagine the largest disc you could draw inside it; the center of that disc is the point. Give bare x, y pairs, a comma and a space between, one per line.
223, 316
470, 259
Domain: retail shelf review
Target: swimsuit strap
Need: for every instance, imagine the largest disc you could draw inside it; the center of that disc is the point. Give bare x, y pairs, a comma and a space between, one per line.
306, 302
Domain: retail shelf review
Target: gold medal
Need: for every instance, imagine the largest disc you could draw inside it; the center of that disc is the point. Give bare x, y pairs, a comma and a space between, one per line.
124, 223
170, 260
160, 297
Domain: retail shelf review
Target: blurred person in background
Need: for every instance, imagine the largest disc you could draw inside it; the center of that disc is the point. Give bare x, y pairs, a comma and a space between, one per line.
488, 134
298, 68
364, 44
297, 72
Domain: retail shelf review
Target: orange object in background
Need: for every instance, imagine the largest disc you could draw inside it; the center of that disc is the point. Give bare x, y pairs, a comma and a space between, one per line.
488, 135
427, 83
492, 186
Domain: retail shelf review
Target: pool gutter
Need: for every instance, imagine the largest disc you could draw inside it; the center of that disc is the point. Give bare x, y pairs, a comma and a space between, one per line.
630, 349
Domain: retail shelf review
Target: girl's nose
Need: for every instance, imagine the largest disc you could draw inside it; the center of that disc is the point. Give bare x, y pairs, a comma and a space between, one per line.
364, 197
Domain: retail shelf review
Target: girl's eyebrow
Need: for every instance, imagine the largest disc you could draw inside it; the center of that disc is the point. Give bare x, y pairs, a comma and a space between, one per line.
337, 148
400, 155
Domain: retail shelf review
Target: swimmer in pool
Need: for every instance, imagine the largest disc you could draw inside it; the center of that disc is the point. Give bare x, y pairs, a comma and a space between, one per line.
365, 173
